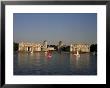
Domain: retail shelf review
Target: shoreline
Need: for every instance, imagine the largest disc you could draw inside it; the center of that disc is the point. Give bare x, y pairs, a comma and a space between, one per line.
52, 52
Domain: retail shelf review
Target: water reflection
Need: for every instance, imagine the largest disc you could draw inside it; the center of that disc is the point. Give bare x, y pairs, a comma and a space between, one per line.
59, 64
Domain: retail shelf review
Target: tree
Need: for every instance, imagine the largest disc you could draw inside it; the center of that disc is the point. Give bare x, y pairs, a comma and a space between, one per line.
16, 45
93, 48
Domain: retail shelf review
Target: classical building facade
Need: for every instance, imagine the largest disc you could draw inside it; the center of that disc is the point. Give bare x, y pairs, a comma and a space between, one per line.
29, 47
32, 47
80, 47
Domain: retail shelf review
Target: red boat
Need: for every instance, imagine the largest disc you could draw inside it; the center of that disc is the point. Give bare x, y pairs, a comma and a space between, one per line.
49, 54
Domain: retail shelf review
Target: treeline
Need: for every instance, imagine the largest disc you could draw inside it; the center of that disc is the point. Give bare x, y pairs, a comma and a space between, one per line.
15, 46
93, 48
66, 48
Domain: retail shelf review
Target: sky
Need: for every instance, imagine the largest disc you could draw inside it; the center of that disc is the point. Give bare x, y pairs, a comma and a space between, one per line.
54, 27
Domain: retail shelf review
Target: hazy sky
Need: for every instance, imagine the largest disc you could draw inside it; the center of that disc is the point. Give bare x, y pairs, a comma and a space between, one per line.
53, 27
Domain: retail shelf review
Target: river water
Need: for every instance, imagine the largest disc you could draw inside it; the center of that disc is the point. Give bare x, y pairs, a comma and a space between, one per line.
63, 63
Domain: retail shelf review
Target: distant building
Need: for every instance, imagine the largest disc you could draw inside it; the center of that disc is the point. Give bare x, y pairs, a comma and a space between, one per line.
32, 47
51, 48
71, 48
60, 44
80, 47
28, 47
44, 46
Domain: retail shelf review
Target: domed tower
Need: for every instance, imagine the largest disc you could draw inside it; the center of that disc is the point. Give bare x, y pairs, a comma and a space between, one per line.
71, 48
44, 47
60, 44
45, 44
21, 46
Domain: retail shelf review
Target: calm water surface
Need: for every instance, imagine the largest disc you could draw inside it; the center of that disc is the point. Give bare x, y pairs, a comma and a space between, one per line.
59, 64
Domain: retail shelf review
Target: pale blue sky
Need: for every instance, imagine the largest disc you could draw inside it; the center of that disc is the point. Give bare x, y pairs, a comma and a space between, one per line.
53, 27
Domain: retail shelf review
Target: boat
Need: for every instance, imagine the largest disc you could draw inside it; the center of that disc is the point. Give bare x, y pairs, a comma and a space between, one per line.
32, 51
77, 54
49, 54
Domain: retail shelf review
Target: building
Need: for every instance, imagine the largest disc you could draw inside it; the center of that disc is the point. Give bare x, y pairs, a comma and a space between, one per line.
51, 48
29, 47
60, 45
80, 47
33, 47
44, 46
